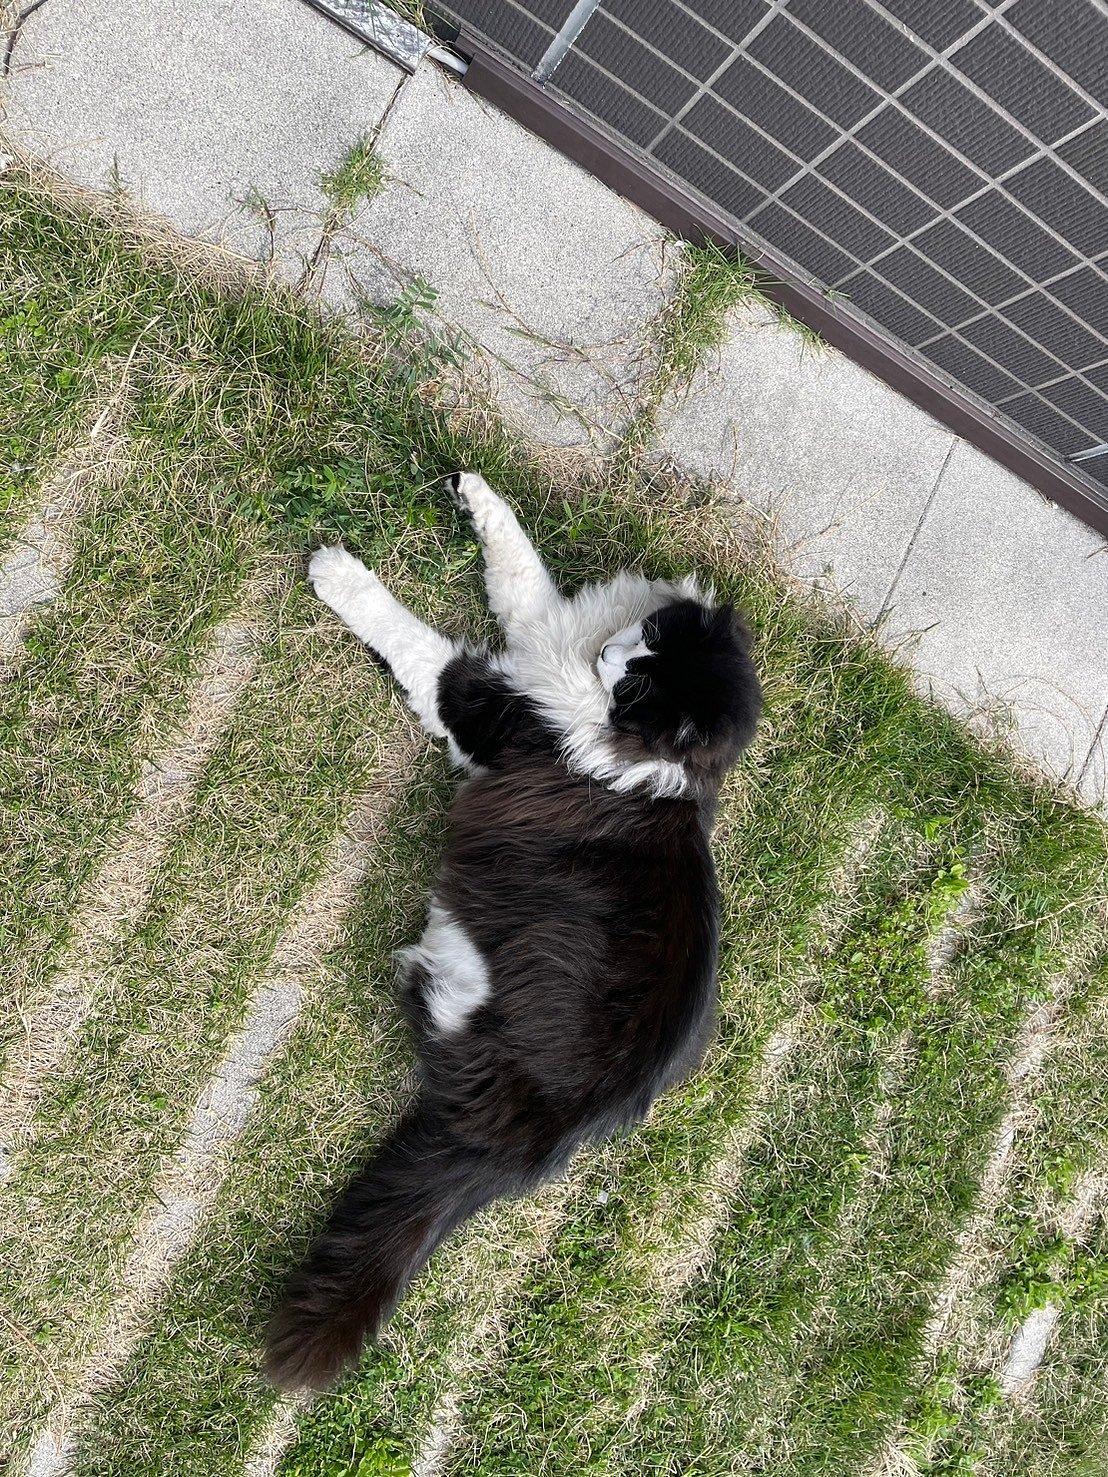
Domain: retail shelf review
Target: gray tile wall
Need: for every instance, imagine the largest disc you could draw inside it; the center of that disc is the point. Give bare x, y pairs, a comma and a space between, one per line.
943, 164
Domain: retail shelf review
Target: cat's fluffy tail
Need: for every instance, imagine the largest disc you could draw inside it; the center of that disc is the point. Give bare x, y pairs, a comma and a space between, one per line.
420, 1186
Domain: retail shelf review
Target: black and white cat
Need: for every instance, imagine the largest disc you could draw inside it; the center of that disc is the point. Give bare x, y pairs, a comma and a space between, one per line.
566, 975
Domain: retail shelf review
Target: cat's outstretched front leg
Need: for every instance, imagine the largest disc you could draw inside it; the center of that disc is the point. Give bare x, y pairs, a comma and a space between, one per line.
415, 652
521, 592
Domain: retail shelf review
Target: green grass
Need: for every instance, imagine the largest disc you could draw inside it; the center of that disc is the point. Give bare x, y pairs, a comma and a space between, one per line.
694, 322
300, 744
358, 176
957, 1422
744, 1283
105, 674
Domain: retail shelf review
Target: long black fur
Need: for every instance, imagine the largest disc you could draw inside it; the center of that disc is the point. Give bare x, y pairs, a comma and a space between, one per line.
596, 914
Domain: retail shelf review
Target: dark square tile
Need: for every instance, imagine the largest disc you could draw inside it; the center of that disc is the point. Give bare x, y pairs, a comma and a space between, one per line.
877, 188
578, 79
888, 308
1082, 403
1013, 353
552, 13
813, 72
1071, 33
704, 172
909, 151
1047, 424
672, 31
1061, 202
734, 18
1088, 152
920, 282
1049, 325
1000, 64
947, 105
968, 261
863, 37
757, 97
635, 64
1086, 294
510, 31
818, 204
1016, 236
809, 249
939, 22
969, 368
731, 136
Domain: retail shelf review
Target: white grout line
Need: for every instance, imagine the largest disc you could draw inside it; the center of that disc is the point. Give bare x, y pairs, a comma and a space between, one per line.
192, 1178
34, 569
266, 1456
1035, 1040
1028, 1347
1032, 1339
574, 23
669, 1274
480, 1341
964, 1271
120, 890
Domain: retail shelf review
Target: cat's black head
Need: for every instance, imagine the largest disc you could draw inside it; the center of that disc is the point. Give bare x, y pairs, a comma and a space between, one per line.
684, 687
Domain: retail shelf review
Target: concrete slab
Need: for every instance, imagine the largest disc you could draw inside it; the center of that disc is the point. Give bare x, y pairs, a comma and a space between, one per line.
551, 276
842, 463
1000, 606
216, 115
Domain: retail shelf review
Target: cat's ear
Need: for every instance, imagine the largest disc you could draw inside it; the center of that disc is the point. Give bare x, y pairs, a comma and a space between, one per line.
727, 621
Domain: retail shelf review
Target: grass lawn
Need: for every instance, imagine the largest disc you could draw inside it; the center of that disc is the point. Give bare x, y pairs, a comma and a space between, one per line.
817, 1257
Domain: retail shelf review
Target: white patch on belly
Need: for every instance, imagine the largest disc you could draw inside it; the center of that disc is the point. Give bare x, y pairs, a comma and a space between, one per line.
458, 980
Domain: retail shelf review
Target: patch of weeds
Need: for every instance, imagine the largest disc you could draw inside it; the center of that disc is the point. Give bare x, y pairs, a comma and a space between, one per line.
355, 180
694, 323
810, 338
940, 1408
691, 326
1056, 1271
1035, 1282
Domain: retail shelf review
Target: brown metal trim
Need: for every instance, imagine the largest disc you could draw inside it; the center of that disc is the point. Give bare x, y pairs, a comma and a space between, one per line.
690, 216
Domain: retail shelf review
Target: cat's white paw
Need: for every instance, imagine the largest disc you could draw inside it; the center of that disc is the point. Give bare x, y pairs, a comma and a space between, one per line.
464, 486
474, 496
336, 575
